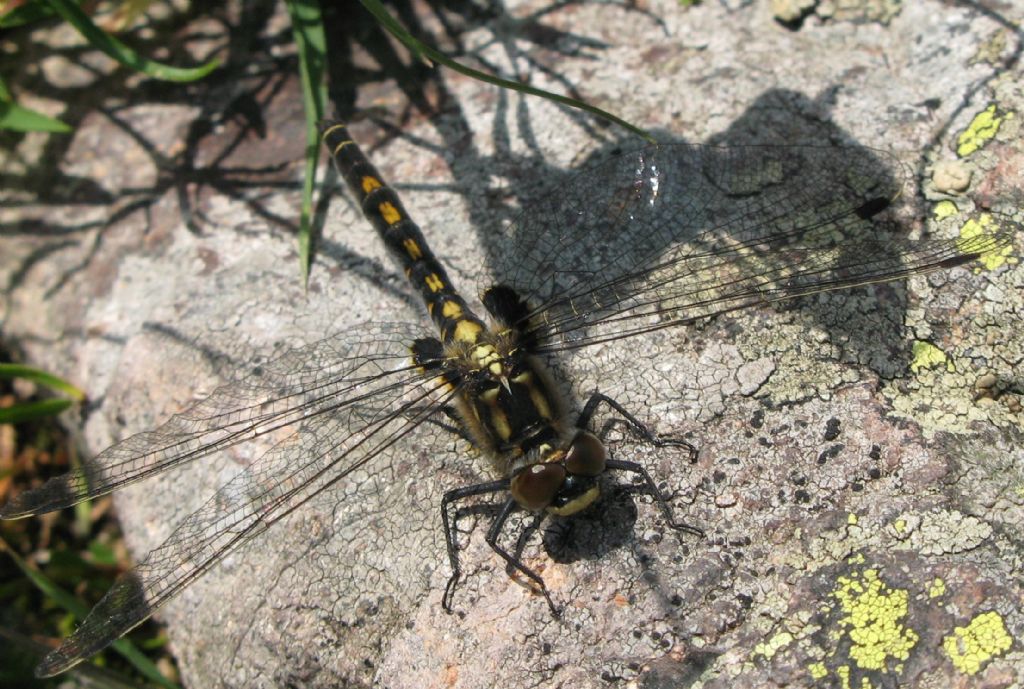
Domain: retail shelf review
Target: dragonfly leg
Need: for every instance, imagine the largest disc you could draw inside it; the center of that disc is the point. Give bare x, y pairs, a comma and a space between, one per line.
649, 487
447, 521
451, 423
649, 436
492, 540
513, 561
635, 424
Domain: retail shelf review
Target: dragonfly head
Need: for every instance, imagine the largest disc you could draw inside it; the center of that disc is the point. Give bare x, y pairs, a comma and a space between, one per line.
566, 480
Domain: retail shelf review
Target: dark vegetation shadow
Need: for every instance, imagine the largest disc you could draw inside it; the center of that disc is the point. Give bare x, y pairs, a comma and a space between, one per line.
238, 145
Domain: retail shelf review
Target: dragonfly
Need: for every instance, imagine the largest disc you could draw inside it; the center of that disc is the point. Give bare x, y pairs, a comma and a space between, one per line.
661, 237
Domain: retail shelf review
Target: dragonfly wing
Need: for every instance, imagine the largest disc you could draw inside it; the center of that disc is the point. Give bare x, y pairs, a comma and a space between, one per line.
684, 285
683, 231
629, 209
321, 451
303, 383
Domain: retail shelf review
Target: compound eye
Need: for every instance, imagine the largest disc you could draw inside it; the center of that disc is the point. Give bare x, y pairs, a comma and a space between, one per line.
586, 455
536, 485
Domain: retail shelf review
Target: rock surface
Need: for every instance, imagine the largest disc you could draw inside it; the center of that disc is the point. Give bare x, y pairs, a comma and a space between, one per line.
863, 501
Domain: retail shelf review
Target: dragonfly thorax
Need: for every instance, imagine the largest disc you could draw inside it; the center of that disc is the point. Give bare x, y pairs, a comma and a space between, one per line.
506, 398
511, 407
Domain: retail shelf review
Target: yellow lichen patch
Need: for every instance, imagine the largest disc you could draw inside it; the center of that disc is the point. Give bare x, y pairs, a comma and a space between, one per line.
900, 525
945, 209
927, 355
984, 638
773, 645
817, 670
976, 230
873, 621
936, 588
981, 130
851, 519
844, 676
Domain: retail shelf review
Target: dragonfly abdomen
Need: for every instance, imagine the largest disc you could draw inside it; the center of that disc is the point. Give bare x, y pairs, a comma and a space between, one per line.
402, 236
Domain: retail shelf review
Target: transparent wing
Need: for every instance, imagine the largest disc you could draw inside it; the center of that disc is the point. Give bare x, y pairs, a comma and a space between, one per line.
324, 377
370, 399
674, 233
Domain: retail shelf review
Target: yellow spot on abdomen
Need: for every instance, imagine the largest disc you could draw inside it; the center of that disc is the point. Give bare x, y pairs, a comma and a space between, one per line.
412, 249
371, 183
451, 309
389, 213
467, 331
434, 283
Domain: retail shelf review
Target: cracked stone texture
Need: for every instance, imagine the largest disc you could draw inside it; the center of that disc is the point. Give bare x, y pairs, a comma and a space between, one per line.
823, 457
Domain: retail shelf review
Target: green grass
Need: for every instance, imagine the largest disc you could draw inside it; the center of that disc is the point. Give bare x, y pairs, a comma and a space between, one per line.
54, 567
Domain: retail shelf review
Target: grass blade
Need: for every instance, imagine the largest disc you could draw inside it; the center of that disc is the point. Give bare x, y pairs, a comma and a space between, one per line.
101, 40
423, 51
8, 371
308, 29
68, 602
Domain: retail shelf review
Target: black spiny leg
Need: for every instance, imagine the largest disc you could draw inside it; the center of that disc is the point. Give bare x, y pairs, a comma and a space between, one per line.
649, 436
452, 423
450, 497
513, 561
492, 540
639, 428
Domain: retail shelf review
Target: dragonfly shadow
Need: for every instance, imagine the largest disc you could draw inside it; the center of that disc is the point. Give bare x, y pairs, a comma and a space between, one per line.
773, 209
781, 206
591, 535
866, 322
